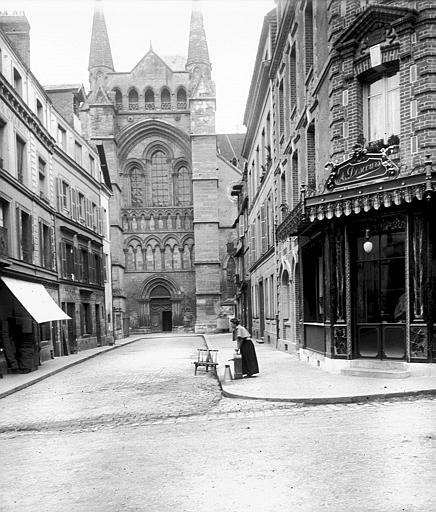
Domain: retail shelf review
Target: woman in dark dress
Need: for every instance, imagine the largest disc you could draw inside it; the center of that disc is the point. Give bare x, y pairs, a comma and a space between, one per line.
246, 348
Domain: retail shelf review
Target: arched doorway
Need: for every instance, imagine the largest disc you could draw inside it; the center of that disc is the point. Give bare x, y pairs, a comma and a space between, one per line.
159, 305
161, 309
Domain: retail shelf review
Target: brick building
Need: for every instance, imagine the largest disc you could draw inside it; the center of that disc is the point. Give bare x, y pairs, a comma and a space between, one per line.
171, 212
352, 135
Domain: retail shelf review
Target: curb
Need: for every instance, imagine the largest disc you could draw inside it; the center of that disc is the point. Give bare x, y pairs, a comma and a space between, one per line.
62, 368
333, 400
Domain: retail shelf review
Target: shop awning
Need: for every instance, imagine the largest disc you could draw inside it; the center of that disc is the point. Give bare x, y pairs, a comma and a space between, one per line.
36, 300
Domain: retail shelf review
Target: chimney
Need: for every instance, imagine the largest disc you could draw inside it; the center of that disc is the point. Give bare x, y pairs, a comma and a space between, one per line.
17, 29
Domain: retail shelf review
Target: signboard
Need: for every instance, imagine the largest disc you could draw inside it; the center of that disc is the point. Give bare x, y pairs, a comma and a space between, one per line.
360, 167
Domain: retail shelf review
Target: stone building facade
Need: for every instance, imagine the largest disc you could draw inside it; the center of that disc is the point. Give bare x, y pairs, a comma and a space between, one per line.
51, 190
171, 212
353, 133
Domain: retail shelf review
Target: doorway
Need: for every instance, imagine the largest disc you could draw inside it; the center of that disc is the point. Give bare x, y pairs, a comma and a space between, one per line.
98, 324
379, 294
167, 321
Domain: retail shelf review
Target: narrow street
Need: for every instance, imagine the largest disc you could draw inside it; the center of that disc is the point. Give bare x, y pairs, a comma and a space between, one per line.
135, 430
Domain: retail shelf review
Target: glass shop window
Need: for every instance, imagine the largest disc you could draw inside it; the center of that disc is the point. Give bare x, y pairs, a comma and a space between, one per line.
313, 282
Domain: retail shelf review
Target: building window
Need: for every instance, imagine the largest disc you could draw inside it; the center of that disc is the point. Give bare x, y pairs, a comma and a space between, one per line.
281, 107
84, 265
18, 82
382, 112
82, 210
181, 99
4, 222
136, 187
21, 159
42, 178
313, 282
159, 179
133, 100
62, 137
92, 166
310, 151
65, 196
86, 318
78, 153
308, 35
292, 80
183, 186
118, 100
165, 99
94, 213
24, 236
149, 100
45, 249
39, 111
2, 144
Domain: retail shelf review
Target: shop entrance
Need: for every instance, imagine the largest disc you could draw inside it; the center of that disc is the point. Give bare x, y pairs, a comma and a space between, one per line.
379, 287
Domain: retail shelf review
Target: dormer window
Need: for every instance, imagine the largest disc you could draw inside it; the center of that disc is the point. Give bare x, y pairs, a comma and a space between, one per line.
149, 100
39, 111
165, 99
133, 100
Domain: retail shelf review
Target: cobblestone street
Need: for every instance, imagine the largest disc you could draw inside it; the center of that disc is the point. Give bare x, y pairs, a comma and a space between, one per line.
134, 430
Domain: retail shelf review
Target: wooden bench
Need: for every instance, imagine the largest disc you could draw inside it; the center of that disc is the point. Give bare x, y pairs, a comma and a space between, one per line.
207, 358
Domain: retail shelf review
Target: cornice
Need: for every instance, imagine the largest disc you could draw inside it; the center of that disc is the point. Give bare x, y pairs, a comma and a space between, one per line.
23, 112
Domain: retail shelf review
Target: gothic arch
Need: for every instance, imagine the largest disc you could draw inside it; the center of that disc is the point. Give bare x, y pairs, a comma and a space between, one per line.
158, 146
132, 134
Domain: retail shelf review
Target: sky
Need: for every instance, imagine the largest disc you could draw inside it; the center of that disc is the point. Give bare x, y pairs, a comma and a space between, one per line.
61, 31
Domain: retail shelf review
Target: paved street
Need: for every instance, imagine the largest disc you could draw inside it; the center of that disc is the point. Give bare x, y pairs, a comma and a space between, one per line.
134, 430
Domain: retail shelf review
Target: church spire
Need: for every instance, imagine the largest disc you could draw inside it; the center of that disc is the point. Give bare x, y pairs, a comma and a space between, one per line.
100, 55
198, 52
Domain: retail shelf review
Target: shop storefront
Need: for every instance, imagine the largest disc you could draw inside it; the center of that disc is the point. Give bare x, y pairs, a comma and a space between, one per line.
28, 316
368, 263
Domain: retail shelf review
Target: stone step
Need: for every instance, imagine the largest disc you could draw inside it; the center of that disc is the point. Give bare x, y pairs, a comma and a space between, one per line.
376, 372
378, 365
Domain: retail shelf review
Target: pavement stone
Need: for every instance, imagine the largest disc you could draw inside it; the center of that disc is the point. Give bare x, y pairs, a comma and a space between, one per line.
284, 377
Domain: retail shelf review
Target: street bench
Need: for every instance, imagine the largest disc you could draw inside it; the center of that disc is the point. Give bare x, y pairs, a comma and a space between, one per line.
206, 358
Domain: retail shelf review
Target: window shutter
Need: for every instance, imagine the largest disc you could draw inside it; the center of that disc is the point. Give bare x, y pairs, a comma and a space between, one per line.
59, 192
253, 243
52, 251
19, 234
100, 214
76, 264
63, 253
41, 245
73, 204
263, 228
91, 261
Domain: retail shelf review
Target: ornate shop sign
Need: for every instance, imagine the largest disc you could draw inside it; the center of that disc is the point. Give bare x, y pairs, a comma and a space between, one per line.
361, 166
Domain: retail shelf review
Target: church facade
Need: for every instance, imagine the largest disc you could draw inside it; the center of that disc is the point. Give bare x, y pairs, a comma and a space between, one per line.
171, 212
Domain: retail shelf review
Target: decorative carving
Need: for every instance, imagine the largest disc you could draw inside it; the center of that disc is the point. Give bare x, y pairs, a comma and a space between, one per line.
418, 267
418, 341
340, 340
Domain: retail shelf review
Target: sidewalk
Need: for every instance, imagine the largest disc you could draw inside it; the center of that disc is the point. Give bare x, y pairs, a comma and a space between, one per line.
15, 382
283, 377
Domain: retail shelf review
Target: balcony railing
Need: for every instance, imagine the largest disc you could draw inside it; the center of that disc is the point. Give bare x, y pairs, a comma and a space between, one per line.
119, 106
149, 105
182, 105
134, 106
4, 250
166, 105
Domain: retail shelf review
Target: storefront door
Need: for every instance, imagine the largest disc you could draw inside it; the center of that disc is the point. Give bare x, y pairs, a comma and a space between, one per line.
378, 290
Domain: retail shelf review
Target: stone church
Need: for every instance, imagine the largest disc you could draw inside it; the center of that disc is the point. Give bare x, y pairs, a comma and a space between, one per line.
171, 212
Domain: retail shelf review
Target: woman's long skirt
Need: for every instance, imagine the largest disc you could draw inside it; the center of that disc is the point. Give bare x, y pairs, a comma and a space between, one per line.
249, 359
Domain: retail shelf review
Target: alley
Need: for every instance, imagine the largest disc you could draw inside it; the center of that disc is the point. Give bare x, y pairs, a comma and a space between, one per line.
134, 430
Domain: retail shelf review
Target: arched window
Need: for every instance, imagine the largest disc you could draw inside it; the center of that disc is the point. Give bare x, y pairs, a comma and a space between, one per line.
284, 295
133, 100
136, 187
159, 179
165, 99
181, 99
230, 278
118, 100
149, 100
183, 186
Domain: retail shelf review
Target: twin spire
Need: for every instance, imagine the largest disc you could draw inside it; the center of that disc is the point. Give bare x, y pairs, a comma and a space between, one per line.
100, 55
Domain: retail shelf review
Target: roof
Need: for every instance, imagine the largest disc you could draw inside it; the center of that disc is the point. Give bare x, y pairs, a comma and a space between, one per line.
229, 145
175, 62
63, 87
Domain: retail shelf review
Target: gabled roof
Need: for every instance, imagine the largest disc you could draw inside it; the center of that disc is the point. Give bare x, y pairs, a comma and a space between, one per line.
175, 62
